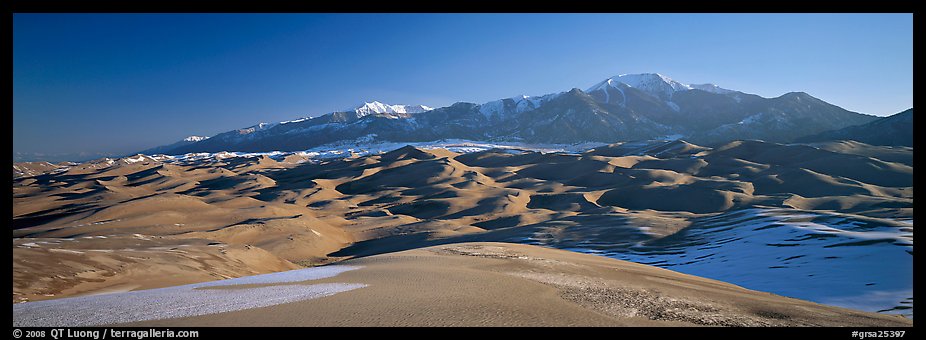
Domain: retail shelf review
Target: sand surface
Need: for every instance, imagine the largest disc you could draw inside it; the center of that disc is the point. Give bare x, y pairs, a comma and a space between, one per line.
115, 225
498, 284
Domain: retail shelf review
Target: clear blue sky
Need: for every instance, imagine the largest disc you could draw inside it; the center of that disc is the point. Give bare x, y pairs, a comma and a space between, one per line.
125, 82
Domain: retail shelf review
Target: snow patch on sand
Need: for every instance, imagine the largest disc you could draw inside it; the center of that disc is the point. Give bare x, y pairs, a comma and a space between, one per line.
181, 301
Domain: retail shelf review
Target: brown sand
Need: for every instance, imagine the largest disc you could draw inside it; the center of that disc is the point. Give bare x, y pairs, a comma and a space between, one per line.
45, 268
500, 284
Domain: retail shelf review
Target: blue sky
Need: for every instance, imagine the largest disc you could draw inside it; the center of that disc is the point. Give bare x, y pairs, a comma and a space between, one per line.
124, 82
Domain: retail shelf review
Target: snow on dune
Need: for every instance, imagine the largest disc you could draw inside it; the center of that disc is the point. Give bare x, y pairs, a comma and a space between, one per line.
181, 301
822, 257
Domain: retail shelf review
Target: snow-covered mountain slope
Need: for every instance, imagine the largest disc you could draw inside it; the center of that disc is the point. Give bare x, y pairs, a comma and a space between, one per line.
652, 83
711, 88
505, 108
377, 107
655, 84
255, 128
256, 133
831, 258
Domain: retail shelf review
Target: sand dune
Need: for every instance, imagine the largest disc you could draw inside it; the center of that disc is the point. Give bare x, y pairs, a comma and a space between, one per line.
902, 155
45, 268
670, 198
498, 284
236, 216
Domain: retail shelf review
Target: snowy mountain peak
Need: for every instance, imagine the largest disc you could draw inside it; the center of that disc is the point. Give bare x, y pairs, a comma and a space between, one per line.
377, 107
655, 84
652, 83
195, 138
645, 79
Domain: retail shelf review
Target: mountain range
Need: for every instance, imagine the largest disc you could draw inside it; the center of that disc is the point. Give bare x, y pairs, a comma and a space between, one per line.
618, 109
895, 130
